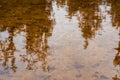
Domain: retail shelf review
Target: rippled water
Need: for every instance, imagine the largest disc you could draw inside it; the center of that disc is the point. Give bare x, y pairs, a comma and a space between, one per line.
60, 40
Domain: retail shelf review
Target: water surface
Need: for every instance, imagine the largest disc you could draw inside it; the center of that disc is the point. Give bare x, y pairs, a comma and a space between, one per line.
59, 40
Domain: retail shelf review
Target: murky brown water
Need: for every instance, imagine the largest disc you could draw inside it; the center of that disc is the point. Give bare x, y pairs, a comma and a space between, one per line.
60, 40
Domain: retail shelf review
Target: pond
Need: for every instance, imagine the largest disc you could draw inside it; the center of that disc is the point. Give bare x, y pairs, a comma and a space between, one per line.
60, 40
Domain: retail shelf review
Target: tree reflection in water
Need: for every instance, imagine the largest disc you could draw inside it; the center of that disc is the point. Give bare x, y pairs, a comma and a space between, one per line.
37, 46
7, 50
88, 15
36, 16
115, 11
38, 25
61, 3
116, 61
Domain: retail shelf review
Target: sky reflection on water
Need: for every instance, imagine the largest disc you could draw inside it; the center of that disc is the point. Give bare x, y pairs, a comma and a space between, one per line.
60, 40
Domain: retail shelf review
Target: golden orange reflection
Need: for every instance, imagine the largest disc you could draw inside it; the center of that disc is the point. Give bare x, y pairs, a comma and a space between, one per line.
115, 11
88, 15
34, 19
116, 61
